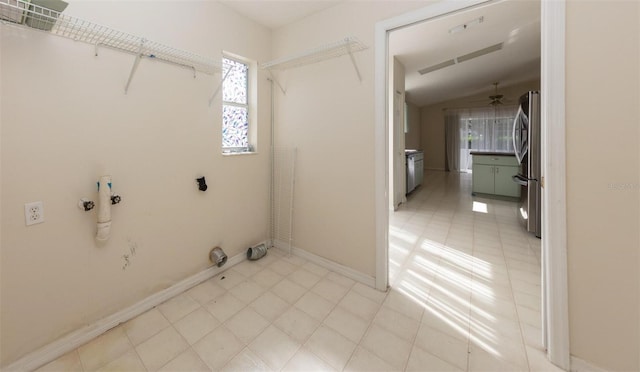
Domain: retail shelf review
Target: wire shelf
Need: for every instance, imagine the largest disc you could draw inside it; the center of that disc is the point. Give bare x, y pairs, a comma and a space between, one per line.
340, 48
21, 12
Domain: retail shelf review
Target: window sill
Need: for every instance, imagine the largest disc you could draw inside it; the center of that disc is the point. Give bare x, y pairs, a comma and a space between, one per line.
239, 153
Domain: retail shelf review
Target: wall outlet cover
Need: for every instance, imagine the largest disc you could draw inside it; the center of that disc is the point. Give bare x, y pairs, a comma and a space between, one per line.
33, 213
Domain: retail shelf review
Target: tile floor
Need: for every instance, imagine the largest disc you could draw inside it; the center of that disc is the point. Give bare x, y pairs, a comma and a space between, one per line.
465, 295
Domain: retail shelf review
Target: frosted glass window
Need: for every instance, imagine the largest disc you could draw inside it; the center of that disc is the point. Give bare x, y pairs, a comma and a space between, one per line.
235, 108
234, 88
235, 126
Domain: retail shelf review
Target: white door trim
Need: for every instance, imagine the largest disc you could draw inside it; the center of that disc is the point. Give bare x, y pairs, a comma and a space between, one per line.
554, 211
554, 198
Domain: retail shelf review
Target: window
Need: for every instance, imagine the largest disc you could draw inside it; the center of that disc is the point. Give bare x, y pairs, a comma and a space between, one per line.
478, 129
235, 106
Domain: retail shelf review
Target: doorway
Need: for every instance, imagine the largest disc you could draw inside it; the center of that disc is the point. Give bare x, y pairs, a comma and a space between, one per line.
555, 326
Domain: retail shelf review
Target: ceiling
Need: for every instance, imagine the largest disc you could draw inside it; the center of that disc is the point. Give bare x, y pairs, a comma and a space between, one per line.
514, 23
277, 13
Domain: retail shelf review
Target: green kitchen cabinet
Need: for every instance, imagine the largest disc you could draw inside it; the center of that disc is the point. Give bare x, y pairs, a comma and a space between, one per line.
492, 174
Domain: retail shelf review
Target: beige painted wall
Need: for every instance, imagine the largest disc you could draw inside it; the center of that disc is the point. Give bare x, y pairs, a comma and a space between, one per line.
413, 139
329, 115
603, 181
65, 121
432, 118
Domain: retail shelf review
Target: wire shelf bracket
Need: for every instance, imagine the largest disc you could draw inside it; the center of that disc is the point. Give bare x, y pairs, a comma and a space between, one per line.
24, 14
348, 45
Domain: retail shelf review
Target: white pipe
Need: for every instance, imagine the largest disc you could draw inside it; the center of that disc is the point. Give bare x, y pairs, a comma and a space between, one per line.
293, 184
104, 209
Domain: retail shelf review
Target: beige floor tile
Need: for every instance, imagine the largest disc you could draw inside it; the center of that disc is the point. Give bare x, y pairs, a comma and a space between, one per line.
359, 305
246, 360
161, 348
177, 307
142, 327
421, 360
218, 347
247, 291
196, 325
274, 347
448, 348
347, 324
297, 324
304, 360
397, 323
304, 278
127, 362
269, 306
266, 278
315, 305
480, 360
387, 346
283, 267
330, 290
363, 360
370, 293
288, 291
294, 260
229, 278
246, 324
248, 268
68, 362
224, 307
104, 349
188, 361
404, 304
331, 347
206, 291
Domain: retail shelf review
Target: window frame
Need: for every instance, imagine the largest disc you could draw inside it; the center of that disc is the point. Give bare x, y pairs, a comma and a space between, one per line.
250, 106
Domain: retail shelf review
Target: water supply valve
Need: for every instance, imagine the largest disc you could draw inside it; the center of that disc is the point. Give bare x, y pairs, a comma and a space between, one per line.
86, 205
202, 184
115, 199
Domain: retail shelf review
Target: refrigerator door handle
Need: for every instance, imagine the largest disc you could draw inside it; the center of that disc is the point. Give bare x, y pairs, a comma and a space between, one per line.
520, 180
513, 136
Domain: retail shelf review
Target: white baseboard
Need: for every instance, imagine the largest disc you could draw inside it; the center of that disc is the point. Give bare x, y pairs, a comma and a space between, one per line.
327, 264
580, 365
83, 335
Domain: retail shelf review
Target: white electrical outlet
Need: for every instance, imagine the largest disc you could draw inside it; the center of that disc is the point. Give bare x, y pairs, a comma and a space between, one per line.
34, 213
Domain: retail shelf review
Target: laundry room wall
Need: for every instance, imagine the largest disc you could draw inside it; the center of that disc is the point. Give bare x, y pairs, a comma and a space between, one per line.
328, 114
65, 121
603, 182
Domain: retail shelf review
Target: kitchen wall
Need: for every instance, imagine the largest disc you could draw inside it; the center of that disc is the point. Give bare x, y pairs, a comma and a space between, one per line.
432, 117
413, 139
603, 182
329, 115
65, 121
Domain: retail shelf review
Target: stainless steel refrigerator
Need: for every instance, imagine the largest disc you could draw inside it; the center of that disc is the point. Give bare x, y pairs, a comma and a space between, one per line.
526, 145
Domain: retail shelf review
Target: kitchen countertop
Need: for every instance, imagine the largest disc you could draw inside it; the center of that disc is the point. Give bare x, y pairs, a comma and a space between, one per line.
492, 153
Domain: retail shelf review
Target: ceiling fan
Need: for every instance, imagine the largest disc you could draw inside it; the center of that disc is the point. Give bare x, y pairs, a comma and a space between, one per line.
496, 99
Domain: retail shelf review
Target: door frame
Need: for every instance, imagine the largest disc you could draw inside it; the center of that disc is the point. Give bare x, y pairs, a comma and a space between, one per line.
554, 242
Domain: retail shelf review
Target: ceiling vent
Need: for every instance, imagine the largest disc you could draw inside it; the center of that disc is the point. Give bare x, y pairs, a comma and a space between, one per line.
466, 57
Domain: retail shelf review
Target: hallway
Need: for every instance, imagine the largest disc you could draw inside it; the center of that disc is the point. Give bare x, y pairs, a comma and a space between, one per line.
473, 274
